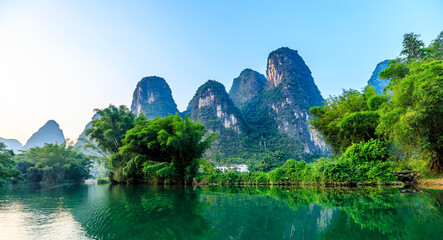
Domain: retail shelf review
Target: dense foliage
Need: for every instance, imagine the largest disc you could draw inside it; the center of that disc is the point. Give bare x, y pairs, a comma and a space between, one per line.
168, 148
109, 128
349, 118
364, 162
53, 163
7, 164
413, 117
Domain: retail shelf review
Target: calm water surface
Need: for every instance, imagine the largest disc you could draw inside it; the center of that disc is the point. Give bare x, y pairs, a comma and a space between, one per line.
213, 212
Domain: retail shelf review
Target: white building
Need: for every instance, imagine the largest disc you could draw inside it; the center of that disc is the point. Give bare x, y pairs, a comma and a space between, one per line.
242, 168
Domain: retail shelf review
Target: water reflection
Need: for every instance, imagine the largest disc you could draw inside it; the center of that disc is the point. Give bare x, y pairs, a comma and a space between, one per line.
37, 212
215, 212
154, 212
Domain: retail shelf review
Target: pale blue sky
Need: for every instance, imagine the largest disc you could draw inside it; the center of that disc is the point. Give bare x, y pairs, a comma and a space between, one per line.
61, 59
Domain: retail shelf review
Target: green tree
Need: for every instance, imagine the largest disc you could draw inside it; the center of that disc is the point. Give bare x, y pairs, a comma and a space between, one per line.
349, 118
7, 164
109, 129
413, 117
361, 162
54, 163
435, 50
413, 48
168, 147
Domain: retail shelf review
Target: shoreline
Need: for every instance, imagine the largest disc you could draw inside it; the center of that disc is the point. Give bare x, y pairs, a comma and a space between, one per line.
436, 183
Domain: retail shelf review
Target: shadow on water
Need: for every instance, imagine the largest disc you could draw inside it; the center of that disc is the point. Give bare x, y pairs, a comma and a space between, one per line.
217, 212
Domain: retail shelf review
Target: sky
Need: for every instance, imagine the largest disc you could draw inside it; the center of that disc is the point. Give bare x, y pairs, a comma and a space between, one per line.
61, 59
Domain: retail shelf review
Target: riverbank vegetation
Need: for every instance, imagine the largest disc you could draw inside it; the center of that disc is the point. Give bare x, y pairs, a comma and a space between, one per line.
52, 163
361, 163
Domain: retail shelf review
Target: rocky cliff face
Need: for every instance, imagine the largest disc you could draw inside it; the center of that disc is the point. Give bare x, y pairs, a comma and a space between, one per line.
375, 81
12, 144
290, 91
212, 106
288, 73
49, 133
153, 97
247, 89
262, 114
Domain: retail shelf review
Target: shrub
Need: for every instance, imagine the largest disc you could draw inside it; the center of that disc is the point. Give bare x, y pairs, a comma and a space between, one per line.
103, 180
277, 176
363, 162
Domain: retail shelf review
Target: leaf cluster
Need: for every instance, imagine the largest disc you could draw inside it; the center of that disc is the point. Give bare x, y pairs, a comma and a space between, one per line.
7, 165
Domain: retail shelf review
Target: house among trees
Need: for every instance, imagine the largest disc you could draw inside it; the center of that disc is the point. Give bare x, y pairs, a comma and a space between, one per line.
241, 168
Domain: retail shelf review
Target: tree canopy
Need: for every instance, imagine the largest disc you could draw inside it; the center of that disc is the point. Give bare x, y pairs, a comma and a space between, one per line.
7, 165
349, 118
53, 163
168, 147
413, 117
109, 129
412, 47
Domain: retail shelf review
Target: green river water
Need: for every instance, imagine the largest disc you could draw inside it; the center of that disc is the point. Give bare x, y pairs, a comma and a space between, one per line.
213, 212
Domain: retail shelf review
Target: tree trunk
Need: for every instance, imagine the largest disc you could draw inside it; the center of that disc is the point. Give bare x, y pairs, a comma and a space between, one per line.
436, 165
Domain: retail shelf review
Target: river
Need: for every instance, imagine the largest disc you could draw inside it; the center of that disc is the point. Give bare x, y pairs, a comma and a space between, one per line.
90, 211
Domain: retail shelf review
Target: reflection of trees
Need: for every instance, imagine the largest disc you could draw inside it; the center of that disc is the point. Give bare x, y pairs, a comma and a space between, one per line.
360, 213
238, 215
387, 216
436, 197
35, 196
372, 209
144, 212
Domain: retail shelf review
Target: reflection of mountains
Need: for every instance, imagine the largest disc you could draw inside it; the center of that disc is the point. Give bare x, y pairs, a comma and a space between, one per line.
262, 217
143, 212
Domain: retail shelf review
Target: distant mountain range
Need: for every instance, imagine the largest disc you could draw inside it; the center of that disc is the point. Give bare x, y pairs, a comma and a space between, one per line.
12, 144
259, 114
48, 133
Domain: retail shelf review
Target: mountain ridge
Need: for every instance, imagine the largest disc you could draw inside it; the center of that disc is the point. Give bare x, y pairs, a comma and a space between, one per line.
50, 132
153, 97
